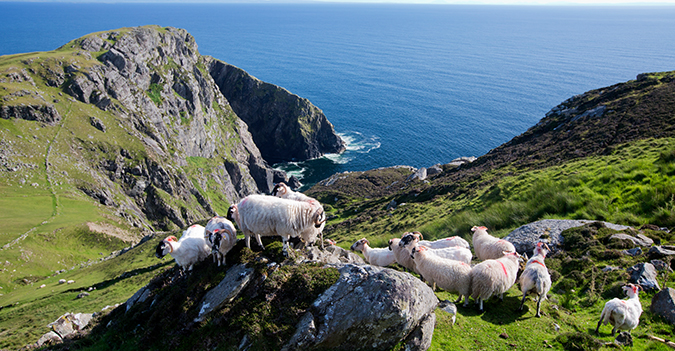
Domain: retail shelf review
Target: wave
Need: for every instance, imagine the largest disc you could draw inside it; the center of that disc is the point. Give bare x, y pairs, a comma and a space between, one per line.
357, 142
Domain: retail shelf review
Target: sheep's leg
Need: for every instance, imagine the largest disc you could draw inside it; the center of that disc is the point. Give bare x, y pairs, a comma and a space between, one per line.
247, 239
613, 331
522, 302
459, 299
538, 307
597, 329
481, 304
466, 300
501, 297
257, 238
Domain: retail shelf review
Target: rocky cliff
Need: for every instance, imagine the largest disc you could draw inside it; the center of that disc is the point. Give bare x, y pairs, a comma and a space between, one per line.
137, 112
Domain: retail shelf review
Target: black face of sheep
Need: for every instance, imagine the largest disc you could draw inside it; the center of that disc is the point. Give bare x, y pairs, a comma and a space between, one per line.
406, 239
230, 212
159, 251
276, 189
215, 238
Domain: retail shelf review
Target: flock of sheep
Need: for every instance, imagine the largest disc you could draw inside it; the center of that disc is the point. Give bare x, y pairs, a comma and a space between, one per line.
445, 263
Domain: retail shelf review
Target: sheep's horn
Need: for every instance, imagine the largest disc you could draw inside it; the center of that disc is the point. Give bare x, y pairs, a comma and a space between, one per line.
319, 219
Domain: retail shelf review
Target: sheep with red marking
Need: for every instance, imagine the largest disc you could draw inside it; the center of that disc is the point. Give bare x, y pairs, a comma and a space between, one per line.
263, 215
622, 314
494, 277
410, 240
488, 247
285, 192
222, 236
375, 256
190, 249
449, 275
535, 278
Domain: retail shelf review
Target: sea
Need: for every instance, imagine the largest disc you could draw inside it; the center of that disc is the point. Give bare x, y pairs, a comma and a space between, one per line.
403, 84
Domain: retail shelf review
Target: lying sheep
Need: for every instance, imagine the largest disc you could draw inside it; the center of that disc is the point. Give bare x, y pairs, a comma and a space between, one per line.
402, 255
285, 192
492, 277
263, 215
222, 236
190, 249
449, 275
622, 314
488, 247
410, 240
375, 256
453, 241
535, 277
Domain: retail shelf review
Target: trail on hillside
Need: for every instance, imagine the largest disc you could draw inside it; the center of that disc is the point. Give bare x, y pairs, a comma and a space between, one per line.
55, 197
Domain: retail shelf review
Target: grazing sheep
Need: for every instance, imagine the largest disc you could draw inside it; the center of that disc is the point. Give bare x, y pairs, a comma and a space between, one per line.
410, 240
622, 314
375, 256
535, 277
487, 247
492, 277
402, 255
449, 275
285, 192
453, 241
263, 215
222, 237
190, 249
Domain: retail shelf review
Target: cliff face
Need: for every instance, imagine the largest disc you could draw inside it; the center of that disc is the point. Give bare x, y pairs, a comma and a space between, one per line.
285, 126
166, 147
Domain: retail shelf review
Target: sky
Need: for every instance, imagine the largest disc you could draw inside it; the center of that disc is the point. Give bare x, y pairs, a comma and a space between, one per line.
465, 2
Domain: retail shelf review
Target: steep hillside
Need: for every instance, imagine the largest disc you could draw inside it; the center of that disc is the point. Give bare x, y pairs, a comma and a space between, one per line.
125, 132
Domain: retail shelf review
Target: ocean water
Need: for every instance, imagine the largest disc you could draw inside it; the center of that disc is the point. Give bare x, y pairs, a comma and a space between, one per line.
402, 84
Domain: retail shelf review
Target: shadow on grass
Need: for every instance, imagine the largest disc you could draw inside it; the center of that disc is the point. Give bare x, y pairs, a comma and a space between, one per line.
495, 311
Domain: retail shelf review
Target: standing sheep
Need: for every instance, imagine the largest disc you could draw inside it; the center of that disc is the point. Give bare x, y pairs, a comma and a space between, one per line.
487, 247
449, 275
492, 277
263, 215
285, 192
190, 249
402, 255
222, 237
535, 277
410, 240
622, 314
375, 256
453, 241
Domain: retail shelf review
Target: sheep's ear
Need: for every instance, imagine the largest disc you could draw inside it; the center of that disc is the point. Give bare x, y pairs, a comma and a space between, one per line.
171, 238
473, 229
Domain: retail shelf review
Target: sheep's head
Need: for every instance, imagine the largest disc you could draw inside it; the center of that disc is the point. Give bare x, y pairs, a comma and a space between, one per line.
232, 212
478, 228
513, 254
631, 289
393, 242
280, 189
215, 239
164, 247
358, 245
407, 240
541, 249
417, 249
319, 217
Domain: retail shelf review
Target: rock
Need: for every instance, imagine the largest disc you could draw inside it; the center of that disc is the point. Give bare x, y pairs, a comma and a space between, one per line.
433, 170
504, 336
69, 324
294, 182
610, 268
368, 308
82, 294
392, 205
461, 160
644, 274
41, 113
549, 231
139, 296
332, 255
234, 282
636, 251
420, 338
450, 308
638, 240
96, 123
661, 266
659, 252
663, 304
49, 338
420, 174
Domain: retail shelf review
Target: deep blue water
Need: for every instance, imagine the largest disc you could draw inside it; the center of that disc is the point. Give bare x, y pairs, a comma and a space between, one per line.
404, 84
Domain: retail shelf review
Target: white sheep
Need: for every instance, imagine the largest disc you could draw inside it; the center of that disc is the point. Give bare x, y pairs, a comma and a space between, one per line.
488, 247
535, 277
222, 236
190, 249
453, 241
263, 215
285, 192
492, 277
449, 275
410, 240
402, 255
622, 314
376, 256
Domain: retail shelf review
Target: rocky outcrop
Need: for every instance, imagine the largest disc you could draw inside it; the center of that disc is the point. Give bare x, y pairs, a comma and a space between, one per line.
285, 127
663, 304
41, 113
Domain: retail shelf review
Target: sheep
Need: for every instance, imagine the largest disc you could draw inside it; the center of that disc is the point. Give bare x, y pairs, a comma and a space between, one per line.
535, 277
492, 277
402, 255
410, 240
375, 256
449, 275
622, 314
453, 241
222, 237
190, 249
263, 215
285, 192
487, 247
